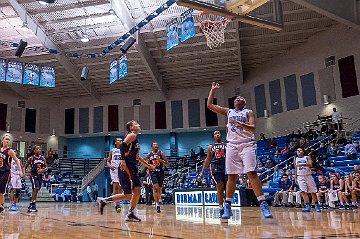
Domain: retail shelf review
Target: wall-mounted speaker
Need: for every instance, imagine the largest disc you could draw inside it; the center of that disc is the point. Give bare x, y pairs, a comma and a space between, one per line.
130, 41
84, 73
20, 48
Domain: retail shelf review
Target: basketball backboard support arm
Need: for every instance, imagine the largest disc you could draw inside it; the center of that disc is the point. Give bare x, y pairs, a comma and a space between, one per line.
276, 25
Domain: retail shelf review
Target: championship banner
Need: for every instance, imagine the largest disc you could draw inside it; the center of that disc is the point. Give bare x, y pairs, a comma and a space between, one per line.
172, 34
187, 25
2, 69
14, 72
113, 71
47, 76
31, 74
123, 67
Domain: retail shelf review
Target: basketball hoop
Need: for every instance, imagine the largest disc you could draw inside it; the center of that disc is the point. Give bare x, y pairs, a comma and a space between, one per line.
213, 27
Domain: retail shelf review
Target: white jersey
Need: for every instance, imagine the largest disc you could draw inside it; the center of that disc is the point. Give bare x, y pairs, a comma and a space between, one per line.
14, 170
237, 134
302, 170
116, 157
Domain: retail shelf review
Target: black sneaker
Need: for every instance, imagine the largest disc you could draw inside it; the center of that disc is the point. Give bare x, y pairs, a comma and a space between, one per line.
221, 212
347, 207
2, 209
132, 218
118, 208
158, 209
32, 208
101, 205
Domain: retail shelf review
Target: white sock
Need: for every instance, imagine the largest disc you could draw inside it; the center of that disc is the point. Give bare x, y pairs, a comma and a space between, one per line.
261, 198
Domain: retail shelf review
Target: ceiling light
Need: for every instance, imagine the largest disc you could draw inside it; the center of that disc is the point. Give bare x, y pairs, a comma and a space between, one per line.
112, 12
85, 38
25, 27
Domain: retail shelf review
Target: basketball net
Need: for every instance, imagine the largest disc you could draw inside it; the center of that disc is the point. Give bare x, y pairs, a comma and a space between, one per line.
213, 27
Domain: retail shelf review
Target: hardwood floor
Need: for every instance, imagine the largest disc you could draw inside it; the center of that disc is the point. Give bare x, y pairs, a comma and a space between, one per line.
63, 220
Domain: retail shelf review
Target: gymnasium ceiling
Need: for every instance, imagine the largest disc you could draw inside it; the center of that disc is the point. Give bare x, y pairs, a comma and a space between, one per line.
151, 67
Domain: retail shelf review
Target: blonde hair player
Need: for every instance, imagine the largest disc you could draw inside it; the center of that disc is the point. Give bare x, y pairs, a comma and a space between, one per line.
240, 150
6, 154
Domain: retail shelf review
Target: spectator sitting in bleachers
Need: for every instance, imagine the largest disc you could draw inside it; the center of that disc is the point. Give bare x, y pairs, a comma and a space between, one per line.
283, 194
332, 150
59, 193
323, 187
321, 136
290, 136
299, 134
310, 135
285, 151
67, 194
277, 174
350, 151
341, 141
272, 143
294, 191
270, 163
262, 137
277, 153
322, 150
260, 170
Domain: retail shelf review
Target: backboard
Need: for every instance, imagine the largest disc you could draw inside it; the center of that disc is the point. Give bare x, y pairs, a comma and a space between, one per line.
238, 10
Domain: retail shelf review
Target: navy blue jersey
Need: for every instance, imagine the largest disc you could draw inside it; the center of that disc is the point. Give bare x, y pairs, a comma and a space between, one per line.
5, 161
154, 160
132, 152
36, 164
218, 158
324, 186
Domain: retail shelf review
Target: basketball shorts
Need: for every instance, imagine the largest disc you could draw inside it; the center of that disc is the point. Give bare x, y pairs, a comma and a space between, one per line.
114, 175
15, 182
4, 180
157, 178
129, 178
306, 183
240, 158
36, 181
218, 178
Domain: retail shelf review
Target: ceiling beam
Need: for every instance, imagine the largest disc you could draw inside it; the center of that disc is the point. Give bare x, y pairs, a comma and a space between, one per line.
71, 68
344, 11
124, 14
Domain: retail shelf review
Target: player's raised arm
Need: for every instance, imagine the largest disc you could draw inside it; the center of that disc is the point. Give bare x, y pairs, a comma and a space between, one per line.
215, 108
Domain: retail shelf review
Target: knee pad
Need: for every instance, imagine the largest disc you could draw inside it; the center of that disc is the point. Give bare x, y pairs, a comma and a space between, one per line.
17, 193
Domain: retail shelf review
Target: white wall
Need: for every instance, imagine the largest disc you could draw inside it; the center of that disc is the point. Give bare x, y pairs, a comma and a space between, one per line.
339, 41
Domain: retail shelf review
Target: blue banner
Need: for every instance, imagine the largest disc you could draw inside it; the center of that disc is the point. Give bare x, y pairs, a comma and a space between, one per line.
113, 71
31, 74
14, 72
2, 69
123, 67
47, 76
187, 25
172, 34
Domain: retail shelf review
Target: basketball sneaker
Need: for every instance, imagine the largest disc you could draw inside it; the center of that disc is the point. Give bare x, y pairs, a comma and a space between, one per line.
101, 205
221, 212
158, 209
317, 208
12, 207
264, 207
307, 208
32, 208
118, 208
130, 217
2, 209
227, 211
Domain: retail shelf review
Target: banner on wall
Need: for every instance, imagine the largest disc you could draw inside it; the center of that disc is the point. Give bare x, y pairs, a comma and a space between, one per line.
187, 25
172, 34
123, 67
47, 76
113, 71
14, 72
31, 74
2, 69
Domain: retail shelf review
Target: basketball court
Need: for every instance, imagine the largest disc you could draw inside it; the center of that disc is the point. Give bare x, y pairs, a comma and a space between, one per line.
83, 221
